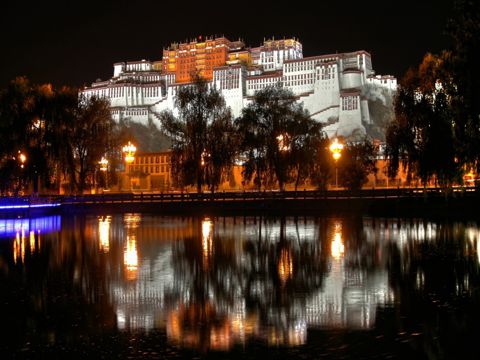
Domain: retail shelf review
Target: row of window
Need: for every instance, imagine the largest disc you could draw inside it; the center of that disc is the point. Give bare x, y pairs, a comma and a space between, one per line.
136, 112
138, 67
149, 169
151, 159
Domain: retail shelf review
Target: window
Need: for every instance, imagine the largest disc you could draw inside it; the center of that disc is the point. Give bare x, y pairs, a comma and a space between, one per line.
350, 103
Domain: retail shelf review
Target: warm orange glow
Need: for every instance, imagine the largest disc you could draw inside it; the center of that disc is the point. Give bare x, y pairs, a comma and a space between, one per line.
337, 247
32, 242
336, 149
283, 143
22, 158
103, 164
285, 265
19, 248
205, 155
195, 57
294, 336
207, 240
130, 258
104, 233
174, 330
220, 338
130, 253
129, 151
241, 327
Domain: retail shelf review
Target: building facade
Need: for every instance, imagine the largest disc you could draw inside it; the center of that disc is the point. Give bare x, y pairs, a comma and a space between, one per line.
329, 86
148, 172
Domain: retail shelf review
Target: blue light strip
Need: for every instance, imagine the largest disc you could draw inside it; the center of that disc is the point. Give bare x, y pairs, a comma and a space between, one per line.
13, 207
47, 224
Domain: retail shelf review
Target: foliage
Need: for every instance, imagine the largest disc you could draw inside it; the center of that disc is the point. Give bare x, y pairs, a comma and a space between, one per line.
422, 135
277, 139
436, 133
461, 66
308, 152
90, 138
202, 136
58, 134
357, 162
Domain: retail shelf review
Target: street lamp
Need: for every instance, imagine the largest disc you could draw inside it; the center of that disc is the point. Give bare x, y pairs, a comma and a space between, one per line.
21, 159
336, 150
104, 167
129, 151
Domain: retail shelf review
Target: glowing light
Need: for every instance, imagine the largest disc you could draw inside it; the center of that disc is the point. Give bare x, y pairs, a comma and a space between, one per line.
130, 254
336, 149
13, 207
130, 258
32, 241
21, 158
10, 227
103, 164
285, 265
337, 247
129, 151
132, 220
203, 159
283, 143
207, 240
19, 247
104, 233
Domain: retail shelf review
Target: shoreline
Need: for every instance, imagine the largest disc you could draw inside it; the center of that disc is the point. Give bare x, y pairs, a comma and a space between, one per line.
389, 203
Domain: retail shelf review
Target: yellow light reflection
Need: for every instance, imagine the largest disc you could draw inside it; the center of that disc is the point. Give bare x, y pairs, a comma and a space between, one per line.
220, 338
32, 242
130, 258
19, 247
207, 240
104, 233
132, 220
337, 247
285, 265
242, 328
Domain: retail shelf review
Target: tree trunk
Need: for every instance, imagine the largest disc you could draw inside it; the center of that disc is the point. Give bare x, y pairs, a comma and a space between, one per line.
297, 180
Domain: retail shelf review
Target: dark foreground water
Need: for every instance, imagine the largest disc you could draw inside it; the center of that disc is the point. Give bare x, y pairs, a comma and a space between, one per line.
133, 285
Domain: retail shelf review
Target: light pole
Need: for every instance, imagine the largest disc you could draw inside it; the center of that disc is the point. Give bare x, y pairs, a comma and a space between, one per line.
104, 167
336, 150
129, 151
22, 159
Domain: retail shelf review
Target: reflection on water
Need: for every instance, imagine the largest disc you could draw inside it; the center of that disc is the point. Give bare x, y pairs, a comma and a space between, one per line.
338, 248
207, 241
200, 290
33, 227
211, 283
285, 265
47, 224
104, 232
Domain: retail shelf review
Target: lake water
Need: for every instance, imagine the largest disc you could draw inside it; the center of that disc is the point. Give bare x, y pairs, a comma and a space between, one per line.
146, 286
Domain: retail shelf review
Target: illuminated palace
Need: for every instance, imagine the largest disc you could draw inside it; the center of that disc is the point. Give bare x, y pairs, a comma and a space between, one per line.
329, 86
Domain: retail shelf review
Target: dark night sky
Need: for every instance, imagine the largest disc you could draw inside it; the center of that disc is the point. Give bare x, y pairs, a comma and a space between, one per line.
76, 42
